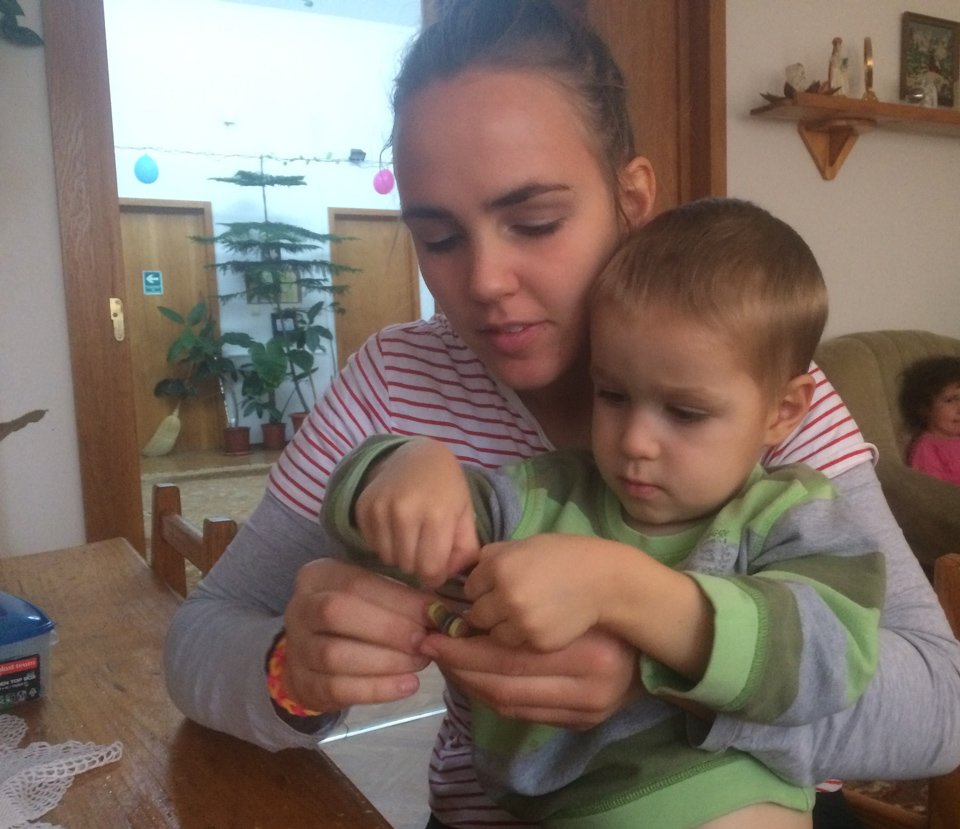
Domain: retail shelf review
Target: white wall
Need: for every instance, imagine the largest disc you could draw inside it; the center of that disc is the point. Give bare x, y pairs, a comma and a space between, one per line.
886, 230
40, 502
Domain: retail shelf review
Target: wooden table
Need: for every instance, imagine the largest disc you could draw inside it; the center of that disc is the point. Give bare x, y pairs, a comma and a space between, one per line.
112, 614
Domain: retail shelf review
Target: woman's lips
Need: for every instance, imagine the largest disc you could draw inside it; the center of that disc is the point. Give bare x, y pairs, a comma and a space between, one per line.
512, 338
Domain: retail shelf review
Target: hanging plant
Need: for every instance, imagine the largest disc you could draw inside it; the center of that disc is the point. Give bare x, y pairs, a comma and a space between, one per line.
11, 30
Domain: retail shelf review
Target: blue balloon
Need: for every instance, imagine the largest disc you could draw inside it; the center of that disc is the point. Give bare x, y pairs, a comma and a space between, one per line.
146, 169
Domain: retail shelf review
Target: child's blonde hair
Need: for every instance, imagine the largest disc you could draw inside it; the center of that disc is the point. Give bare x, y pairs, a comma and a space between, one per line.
733, 266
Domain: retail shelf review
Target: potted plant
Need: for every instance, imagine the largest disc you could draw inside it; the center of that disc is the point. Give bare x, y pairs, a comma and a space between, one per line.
198, 351
262, 377
278, 264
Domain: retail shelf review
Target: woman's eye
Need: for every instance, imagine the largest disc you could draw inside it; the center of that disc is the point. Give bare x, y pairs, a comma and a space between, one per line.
539, 229
440, 245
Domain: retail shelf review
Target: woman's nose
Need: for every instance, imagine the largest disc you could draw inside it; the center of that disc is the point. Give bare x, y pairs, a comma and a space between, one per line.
492, 274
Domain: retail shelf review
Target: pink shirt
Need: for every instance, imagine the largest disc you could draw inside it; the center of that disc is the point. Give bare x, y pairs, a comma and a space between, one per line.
937, 456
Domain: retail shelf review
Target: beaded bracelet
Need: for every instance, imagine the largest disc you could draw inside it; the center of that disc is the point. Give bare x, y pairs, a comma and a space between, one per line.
278, 658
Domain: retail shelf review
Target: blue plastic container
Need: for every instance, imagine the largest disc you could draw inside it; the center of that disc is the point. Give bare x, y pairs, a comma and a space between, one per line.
26, 634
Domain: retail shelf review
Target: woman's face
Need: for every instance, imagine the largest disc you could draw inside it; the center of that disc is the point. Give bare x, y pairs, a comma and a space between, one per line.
511, 215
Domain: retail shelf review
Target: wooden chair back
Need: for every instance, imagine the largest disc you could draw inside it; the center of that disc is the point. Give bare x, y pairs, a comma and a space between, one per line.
943, 800
174, 541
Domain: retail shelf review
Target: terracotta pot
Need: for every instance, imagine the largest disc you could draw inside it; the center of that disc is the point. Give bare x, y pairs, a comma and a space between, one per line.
236, 440
274, 435
297, 418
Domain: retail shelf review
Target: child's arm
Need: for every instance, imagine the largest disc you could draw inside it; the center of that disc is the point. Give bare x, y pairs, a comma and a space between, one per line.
786, 632
547, 590
408, 501
796, 636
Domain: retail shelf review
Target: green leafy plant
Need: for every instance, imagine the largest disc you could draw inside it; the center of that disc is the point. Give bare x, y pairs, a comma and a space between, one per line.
198, 351
278, 264
10, 28
262, 377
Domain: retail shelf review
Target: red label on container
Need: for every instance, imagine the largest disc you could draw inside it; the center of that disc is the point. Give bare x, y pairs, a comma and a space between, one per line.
19, 680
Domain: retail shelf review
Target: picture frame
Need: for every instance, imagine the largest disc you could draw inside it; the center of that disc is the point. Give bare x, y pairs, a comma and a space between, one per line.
269, 288
284, 322
930, 49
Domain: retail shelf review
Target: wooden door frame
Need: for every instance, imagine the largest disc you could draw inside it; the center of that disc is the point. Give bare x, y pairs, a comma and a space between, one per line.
85, 168
85, 171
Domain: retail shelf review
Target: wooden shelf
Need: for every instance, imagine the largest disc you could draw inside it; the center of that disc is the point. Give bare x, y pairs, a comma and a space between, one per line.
830, 125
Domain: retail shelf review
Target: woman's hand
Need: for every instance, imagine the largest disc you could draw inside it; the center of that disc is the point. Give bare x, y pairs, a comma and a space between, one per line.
577, 687
416, 514
353, 637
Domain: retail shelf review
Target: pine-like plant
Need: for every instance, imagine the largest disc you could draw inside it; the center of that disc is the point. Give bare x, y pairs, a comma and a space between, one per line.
277, 260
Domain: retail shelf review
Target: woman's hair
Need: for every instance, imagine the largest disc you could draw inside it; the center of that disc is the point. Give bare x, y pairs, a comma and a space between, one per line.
526, 35
921, 382
734, 267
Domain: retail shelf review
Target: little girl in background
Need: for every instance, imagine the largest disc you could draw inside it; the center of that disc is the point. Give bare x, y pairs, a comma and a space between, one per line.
930, 402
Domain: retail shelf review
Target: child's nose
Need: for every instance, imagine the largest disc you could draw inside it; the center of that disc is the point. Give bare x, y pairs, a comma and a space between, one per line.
640, 437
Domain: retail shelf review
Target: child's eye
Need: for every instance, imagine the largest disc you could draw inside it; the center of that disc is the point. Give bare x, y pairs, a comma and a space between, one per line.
687, 415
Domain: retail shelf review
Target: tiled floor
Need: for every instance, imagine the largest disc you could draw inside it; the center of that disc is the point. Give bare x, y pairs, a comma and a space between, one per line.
388, 764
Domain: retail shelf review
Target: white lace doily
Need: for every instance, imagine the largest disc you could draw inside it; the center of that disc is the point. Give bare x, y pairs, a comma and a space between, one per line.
34, 778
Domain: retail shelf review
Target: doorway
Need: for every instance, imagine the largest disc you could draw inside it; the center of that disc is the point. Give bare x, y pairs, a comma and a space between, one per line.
163, 267
385, 287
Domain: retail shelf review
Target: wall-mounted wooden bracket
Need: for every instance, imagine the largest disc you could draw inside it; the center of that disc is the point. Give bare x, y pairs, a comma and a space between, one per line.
829, 124
830, 142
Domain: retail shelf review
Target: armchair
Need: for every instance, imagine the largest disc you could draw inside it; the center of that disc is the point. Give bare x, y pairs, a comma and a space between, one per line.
865, 369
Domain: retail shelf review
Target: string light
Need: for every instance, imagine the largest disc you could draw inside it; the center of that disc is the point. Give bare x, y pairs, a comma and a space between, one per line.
328, 159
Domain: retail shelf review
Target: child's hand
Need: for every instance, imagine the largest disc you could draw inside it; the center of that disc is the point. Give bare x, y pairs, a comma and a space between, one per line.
534, 592
415, 512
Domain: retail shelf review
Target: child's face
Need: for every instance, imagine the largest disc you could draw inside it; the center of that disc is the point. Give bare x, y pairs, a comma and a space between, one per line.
678, 422
945, 412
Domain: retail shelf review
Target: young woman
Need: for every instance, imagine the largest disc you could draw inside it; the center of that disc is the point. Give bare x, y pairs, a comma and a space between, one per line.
518, 176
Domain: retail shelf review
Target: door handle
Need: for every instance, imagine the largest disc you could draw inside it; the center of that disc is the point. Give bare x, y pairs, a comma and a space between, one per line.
116, 315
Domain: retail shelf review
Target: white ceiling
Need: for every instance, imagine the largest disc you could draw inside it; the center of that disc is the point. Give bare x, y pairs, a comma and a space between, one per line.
400, 12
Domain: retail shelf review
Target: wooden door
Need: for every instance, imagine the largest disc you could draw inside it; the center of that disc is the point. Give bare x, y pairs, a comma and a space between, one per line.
79, 94
387, 287
159, 254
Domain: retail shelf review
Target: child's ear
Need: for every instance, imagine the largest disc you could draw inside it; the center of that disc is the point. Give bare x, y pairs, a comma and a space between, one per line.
788, 410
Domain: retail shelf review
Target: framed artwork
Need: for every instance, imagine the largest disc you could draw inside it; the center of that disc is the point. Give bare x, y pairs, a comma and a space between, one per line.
929, 51
272, 287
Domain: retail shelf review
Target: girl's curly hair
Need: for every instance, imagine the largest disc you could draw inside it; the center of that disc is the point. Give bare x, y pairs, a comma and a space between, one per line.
921, 382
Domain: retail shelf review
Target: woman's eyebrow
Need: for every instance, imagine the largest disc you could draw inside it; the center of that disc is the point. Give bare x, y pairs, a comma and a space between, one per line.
524, 193
509, 199
424, 212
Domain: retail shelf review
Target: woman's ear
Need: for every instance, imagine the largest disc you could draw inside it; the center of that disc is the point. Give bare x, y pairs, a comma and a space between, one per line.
638, 191
789, 408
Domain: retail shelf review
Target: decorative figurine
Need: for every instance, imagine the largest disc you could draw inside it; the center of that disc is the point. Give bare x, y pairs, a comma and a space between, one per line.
837, 81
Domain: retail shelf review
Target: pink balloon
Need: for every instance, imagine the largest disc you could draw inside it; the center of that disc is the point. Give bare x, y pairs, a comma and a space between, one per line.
383, 182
